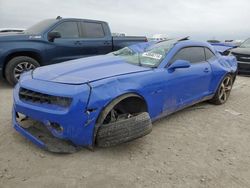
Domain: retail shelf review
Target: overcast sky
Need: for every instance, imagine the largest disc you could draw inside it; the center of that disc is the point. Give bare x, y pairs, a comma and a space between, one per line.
201, 19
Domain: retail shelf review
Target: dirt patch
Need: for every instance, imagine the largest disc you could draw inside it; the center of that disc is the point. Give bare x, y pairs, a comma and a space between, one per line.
202, 146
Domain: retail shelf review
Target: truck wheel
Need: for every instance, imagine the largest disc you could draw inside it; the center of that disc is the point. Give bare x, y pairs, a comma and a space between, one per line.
17, 65
223, 91
124, 130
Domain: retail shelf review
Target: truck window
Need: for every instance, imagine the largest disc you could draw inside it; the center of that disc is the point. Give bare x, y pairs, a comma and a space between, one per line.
68, 30
92, 30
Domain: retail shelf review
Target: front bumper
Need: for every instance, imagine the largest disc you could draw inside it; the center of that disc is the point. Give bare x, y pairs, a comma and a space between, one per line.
243, 67
77, 125
25, 133
38, 133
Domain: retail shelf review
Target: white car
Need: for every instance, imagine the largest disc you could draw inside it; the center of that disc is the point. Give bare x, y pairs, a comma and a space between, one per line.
159, 37
6, 30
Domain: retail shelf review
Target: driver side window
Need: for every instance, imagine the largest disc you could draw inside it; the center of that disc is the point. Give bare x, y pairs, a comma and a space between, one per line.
191, 54
67, 30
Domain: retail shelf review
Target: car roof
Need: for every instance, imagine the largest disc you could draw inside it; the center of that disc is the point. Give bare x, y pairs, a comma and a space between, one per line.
186, 43
80, 19
194, 43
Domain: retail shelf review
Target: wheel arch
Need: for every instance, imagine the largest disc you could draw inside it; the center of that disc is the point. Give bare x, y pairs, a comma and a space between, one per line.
31, 54
216, 97
232, 74
117, 100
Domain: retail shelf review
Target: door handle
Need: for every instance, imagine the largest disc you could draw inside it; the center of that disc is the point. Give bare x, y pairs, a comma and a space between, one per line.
77, 42
106, 43
206, 70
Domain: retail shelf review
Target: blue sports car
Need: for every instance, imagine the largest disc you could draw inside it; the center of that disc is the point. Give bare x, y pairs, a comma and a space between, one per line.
109, 99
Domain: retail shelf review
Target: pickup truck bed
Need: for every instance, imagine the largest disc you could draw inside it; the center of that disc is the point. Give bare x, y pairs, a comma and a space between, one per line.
121, 42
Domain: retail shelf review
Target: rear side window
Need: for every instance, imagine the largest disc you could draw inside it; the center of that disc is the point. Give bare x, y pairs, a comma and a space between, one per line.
209, 54
191, 54
92, 30
68, 30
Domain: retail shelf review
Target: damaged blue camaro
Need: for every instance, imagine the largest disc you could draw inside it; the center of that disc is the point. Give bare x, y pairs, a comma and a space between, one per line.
110, 99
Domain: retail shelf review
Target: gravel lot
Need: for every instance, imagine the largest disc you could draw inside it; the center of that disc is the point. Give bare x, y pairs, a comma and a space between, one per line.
202, 146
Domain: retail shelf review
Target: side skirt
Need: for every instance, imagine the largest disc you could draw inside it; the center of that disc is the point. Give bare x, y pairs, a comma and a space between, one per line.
208, 97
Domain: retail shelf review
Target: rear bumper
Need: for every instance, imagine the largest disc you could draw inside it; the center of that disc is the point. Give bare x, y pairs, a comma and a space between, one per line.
243, 67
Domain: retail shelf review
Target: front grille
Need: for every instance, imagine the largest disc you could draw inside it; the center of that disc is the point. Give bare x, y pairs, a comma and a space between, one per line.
40, 98
242, 57
244, 66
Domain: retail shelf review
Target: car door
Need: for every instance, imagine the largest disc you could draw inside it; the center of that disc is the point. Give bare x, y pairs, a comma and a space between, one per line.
186, 86
66, 47
94, 40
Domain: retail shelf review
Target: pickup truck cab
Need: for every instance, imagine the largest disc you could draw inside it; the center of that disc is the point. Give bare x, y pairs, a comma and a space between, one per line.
56, 40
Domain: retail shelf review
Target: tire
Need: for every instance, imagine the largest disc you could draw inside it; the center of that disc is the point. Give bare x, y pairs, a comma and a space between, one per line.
17, 65
220, 97
124, 130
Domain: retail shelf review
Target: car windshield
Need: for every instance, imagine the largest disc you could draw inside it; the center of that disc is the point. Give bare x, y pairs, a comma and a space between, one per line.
151, 57
246, 44
40, 27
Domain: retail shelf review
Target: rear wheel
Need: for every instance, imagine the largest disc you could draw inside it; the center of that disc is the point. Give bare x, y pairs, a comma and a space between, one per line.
18, 65
223, 92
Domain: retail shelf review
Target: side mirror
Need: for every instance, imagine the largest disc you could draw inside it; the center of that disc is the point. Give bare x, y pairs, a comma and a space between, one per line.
179, 64
53, 35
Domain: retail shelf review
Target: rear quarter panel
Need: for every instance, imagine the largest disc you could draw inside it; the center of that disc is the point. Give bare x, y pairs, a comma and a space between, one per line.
222, 66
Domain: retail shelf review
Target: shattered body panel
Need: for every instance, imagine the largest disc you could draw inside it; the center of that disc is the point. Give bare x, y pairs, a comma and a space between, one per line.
95, 82
223, 47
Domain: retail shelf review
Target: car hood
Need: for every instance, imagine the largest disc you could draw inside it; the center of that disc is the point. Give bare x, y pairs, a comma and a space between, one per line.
86, 70
245, 51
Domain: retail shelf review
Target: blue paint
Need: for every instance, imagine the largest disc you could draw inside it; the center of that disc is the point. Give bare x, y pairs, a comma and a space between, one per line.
94, 82
223, 47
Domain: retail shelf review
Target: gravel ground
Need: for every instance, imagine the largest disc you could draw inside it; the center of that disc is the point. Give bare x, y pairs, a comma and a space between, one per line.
202, 146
